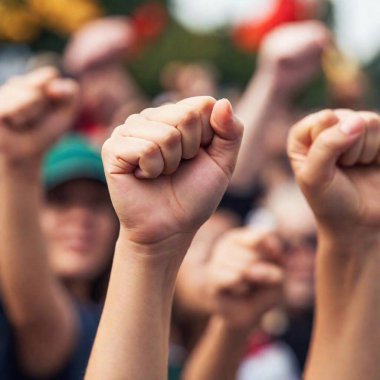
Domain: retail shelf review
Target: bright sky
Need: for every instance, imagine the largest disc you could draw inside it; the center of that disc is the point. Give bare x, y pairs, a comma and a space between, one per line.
358, 21
358, 27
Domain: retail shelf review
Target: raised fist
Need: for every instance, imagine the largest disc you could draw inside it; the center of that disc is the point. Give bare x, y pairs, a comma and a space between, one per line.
168, 167
336, 157
99, 42
292, 54
245, 276
35, 110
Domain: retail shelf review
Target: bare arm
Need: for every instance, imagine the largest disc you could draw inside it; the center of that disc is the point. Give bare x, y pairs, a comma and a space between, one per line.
243, 281
37, 306
335, 158
132, 341
219, 352
289, 58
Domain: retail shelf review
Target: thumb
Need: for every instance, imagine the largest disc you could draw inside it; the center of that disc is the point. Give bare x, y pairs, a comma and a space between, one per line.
327, 148
62, 90
224, 147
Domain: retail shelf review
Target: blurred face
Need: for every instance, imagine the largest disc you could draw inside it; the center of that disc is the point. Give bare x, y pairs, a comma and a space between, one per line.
80, 228
104, 91
299, 269
296, 225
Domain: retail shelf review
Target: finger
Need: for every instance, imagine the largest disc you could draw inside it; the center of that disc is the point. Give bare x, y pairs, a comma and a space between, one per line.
304, 133
165, 136
126, 155
41, 77
226, 142
372, 138
204, 106
322, 120
270, 249
352, 155
225, 279
265, 274
260, 243
186, 119
62, 90
320, 165
21, 106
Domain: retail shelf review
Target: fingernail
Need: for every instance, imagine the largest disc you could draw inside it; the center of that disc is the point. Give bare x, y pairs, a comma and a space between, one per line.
352, 126
226, 101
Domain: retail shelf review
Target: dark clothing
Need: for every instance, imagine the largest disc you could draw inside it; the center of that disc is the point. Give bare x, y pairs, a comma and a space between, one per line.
298, 336
89, 316
5, 346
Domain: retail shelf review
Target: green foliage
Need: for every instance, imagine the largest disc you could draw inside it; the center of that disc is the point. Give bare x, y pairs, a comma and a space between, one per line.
177, 44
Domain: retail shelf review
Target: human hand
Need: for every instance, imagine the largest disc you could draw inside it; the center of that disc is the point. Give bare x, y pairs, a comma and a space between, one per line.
98, 42
245, 276
291, 55
335, 157
168, 167
35, 110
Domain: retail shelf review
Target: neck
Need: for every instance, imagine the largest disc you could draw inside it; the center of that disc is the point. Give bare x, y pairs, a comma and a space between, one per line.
80, 289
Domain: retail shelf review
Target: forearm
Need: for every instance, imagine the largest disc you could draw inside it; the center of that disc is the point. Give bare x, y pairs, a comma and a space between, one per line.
348, 311
36, 304
218, 354
133, 336
258, 109
26, 279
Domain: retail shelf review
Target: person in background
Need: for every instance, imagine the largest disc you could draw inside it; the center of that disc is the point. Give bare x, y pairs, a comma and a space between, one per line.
58, 230
285, 210
94, 56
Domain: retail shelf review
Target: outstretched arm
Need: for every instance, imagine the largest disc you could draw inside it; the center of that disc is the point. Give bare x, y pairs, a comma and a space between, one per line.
335, 156
34, 111
289, 58
167, 169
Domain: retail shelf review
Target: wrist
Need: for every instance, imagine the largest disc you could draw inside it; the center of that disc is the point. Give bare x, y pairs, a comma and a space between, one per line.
29, 171
164, 254
237, 336
360, 242
235, 329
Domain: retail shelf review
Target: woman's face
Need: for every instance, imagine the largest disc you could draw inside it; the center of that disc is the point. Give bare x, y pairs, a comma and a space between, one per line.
80, 228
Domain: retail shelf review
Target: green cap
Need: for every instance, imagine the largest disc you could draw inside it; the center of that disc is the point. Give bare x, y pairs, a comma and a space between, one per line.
72, 158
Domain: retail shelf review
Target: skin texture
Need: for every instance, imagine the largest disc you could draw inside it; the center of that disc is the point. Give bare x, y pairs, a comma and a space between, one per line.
146, 176
335, 157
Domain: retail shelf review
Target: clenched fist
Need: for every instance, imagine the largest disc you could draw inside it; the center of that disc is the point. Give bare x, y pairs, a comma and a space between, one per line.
35, 110
168, 167
292, 54
245, 276
336, 157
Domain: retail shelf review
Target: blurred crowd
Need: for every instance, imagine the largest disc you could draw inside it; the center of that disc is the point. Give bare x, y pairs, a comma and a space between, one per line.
250, 266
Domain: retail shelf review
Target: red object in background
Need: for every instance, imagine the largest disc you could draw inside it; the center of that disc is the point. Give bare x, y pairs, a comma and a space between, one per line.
248, 36
149, 20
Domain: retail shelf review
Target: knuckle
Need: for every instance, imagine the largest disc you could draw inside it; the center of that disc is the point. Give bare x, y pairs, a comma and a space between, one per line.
171, 138
148, 111
189, 122
133, 119
150, 149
